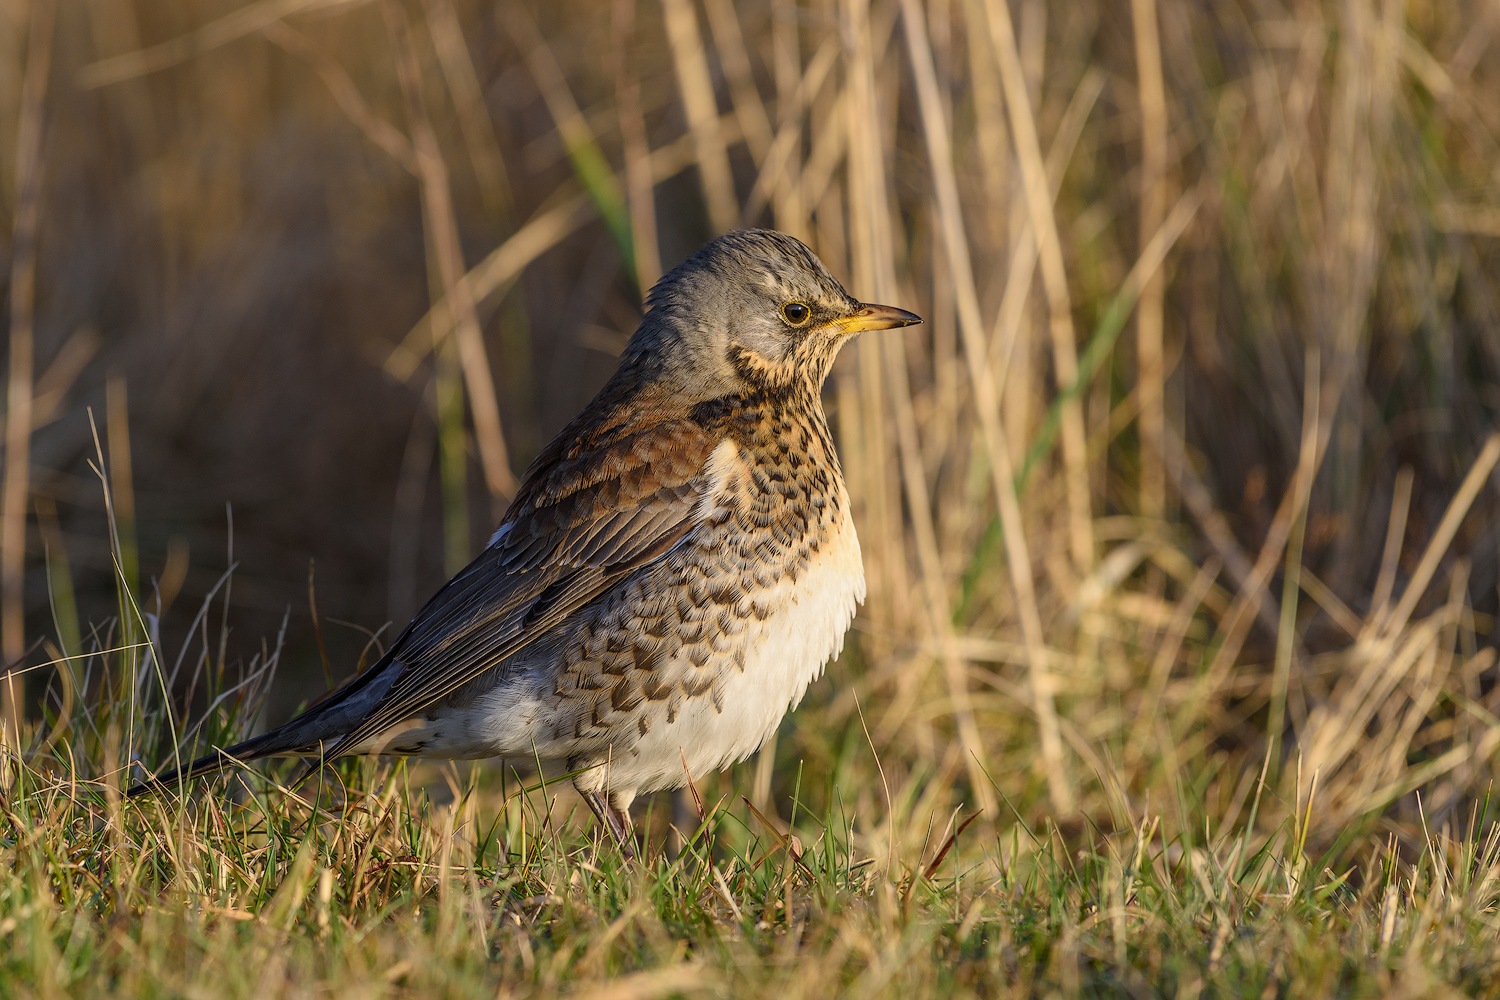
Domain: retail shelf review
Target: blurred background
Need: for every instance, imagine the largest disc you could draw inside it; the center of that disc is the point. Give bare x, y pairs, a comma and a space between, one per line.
1187, 469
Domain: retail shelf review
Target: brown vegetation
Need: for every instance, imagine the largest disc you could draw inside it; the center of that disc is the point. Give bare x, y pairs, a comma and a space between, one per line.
1182, 503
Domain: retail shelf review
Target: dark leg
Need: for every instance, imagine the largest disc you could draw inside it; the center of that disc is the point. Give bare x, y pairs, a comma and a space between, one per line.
616, 821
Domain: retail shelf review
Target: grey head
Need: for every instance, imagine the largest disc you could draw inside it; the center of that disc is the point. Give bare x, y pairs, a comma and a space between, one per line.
753, 309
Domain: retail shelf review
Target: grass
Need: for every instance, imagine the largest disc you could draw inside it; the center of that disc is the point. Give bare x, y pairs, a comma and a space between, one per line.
1177, 675
367, 885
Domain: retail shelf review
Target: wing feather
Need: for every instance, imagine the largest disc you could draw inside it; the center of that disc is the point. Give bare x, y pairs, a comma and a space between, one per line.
589, 514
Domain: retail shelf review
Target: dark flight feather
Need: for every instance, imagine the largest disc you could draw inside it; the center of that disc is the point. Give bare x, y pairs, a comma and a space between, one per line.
586, 517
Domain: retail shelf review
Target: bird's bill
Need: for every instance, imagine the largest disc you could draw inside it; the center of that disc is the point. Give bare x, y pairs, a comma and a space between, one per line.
873, 317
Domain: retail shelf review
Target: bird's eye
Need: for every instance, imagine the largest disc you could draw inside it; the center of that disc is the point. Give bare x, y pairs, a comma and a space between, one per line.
796, 313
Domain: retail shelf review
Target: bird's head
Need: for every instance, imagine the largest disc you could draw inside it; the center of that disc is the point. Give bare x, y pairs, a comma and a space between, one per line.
752, 310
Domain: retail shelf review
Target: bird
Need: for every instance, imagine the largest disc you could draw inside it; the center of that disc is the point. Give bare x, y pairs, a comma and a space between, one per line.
675, 569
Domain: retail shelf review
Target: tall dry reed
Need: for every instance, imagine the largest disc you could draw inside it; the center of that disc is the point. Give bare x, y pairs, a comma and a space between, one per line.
345, 266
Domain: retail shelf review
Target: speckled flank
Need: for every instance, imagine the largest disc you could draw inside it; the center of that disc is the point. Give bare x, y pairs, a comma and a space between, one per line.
702, 656
698, 656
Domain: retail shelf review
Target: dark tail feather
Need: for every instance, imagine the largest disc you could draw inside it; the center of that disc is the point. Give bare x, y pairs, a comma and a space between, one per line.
272, 744
303, 736
323, 726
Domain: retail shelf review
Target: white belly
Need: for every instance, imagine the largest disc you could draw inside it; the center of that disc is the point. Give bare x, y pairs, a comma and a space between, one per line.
783, 655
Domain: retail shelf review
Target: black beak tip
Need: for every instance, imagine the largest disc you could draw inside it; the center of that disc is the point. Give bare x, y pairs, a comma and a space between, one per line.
889, 317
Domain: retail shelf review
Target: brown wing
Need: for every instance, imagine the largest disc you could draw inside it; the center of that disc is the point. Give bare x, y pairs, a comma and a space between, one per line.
590, 513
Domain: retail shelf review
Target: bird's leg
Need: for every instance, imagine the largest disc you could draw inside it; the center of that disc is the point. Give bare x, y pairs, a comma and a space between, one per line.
615, 820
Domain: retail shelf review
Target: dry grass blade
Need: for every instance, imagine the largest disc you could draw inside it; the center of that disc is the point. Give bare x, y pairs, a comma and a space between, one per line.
589, 164
696, 89
786, 57
498, 268
692, 787
932, 869
1149, 357
1291, 589
1395, 532
755, 124
986, 402
1101, 343
468, 100
379, 131
1199, 502
1330, 602
245, 21
121, 478
1166, 656
52, 387
1254, 595
830, 145
1018, 279
686, 980
1054, 279
872, 273
1479, 473
773, 168
771, 828
788, 841
442, 221
509, 259
940, 614
640, 192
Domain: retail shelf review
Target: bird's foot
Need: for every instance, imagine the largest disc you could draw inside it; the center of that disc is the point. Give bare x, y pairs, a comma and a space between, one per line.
616, 821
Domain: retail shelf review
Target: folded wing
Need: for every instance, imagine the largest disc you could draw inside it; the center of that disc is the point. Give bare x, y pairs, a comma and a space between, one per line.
593, 510
581, 524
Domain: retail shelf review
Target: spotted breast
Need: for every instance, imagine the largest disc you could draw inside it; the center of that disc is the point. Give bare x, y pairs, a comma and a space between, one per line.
692, 663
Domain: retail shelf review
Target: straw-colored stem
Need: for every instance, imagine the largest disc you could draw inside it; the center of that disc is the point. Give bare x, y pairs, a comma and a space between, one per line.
468, 100
344, 92
573, 127
1253, 592
640, 190
995, 155
934, 590
442, 225
792, 101
1023, 258
939, 152
504, 263
406, 512
873, 275
247, 20
1054, 280
60, 590
1291, 587
1148, 317
1478, 475
1395, 534
696, 88
748, 106
778, 179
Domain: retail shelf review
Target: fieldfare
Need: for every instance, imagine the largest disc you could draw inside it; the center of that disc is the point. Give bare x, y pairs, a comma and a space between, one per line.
676, 568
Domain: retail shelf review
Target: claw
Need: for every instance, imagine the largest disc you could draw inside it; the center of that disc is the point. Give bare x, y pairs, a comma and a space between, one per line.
615, 820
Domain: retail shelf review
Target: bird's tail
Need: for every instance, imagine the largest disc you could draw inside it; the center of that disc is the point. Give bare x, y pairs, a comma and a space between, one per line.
272, 744
310, 734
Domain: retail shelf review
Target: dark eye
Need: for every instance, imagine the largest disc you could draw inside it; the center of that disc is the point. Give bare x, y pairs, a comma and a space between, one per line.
796, 313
